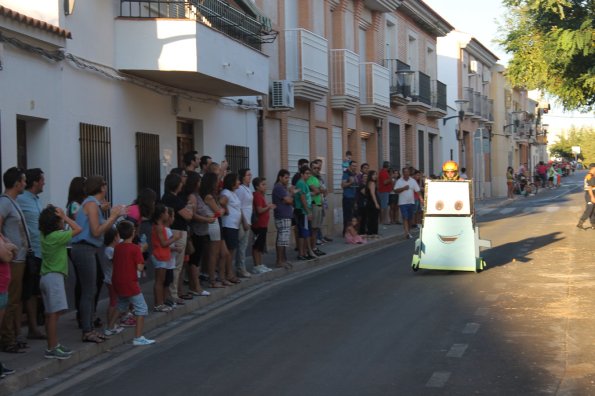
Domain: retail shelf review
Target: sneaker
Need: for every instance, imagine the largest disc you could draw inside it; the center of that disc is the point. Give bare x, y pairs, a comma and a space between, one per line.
162, 308
409, 236
171, 304
56, 353
265, 268
140, 341
128, 321
319, 252
319, 242
302, 258
115, 330
64, 349
327, 239
242, 273
4, 371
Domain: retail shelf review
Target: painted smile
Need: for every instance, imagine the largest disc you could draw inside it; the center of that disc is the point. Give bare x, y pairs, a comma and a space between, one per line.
448, 238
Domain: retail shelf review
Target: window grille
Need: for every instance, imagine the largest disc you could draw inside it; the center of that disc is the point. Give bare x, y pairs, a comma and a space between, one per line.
238, 157
96, 155
148, 165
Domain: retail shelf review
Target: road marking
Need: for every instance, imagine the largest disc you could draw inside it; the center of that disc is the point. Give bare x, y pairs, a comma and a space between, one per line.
471, 328
457, 350
482, 311
438, 379
491, 297
507, 210
552, 209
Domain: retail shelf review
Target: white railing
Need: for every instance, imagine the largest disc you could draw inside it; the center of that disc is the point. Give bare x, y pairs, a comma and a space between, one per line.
345, 76
374, 84
306, 57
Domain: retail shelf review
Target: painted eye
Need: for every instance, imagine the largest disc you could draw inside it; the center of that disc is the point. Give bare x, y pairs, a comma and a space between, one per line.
459, 205
439, 205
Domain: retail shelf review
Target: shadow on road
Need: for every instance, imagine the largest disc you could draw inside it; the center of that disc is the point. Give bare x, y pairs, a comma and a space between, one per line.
519, 250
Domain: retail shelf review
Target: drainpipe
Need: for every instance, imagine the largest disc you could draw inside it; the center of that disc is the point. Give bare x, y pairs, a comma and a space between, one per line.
259, 134
380, 145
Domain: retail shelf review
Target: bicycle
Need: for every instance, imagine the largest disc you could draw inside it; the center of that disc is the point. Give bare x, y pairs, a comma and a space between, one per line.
521, 186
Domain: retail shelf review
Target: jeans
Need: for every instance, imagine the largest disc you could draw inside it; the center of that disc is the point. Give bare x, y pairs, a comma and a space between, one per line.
180, 244
348, 204
242, 246
589, 213
84, 259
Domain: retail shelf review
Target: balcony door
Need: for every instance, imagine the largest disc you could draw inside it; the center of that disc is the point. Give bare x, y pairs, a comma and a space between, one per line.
185, 139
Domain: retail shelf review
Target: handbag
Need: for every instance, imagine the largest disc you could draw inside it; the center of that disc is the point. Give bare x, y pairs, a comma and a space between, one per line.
32, 263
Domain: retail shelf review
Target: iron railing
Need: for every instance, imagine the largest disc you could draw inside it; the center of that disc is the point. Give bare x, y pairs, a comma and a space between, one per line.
399, 83
148, 164
477, 103
217, 14
424, 90
439, 95
491, 110
468, 96
96, 153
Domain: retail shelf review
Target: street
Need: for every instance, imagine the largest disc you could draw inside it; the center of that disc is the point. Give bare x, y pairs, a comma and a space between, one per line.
371, 326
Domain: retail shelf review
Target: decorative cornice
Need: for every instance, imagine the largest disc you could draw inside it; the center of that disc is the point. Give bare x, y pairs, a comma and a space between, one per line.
36, 23
427, 18
480, 52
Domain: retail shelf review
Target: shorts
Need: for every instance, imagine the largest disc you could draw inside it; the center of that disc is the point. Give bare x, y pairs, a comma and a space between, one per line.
316, 216
407, 211
393, 199
303, 225
31, 283
383, 200
159, 264
214, 231
417, 206
199, 242
113, 297
139, 306
53, 292
260, 239
3, 300
231, 237
283, 231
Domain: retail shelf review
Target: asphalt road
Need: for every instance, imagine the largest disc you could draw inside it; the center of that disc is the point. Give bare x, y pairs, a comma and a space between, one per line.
371, 326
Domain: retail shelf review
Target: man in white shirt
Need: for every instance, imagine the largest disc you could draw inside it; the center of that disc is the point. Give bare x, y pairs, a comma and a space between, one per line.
405, 187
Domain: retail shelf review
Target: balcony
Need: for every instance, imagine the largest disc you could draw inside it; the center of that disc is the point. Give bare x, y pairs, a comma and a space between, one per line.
374, 90
484, 108
491, 110
400, 81
468, 96
421, 95
345, 79
306, 64
205, 46
439, 108
383, 5
476, 106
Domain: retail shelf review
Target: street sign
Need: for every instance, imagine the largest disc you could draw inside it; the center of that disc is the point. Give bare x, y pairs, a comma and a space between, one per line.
576, 149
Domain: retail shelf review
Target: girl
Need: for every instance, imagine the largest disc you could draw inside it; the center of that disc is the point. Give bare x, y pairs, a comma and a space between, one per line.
509, 182
54, 268
372, 207
161, 255
259, 228
351, 235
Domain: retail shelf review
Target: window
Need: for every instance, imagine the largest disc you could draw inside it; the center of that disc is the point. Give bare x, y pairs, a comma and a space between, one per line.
298, 142
337, 157
420, 150
22, 144
238, 157
431, 140
394, 142
147, 162
364, 151
185, 139
96, 153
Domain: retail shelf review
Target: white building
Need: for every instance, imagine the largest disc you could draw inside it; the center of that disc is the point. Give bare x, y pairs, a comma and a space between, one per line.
123, 88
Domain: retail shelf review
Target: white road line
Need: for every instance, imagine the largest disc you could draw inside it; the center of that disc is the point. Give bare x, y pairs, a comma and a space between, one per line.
552, 209
482, 311
438, 379
491, 297
471, 328
457, 350
507, 210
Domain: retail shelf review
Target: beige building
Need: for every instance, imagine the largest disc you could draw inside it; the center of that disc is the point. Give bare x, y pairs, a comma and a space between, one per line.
358, 75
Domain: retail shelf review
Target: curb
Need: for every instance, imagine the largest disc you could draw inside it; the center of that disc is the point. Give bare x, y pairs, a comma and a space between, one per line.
45, 368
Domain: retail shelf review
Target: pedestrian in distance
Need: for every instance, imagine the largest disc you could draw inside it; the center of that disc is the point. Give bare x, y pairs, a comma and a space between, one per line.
262, 211
7, 252
245, 195
128, 267
589, 187
405, 187
283, 200
372, 204
110, 240
54, 269
231, 223
510, 182
349, 186
352, 237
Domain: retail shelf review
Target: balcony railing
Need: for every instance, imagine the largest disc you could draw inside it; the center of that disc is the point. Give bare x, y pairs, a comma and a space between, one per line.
477, 104
306, 63
217, 14
345, 78
374, 91
468, 96
439, 95
491, 110
422, 91
484, 107
399, 84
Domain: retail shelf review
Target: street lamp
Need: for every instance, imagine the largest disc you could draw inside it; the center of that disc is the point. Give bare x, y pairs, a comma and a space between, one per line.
405, 82
461, 111
516, 120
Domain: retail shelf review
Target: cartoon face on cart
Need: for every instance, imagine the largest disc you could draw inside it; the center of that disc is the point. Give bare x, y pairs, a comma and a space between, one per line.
445, 201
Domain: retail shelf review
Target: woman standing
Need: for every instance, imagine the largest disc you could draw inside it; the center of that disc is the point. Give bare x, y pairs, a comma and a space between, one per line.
509, 181
283, 200
245, 196
231, 222
372, 207
182, 215
393, 199
85, 247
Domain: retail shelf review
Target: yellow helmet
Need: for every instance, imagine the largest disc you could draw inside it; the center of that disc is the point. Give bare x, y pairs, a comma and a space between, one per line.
450, 166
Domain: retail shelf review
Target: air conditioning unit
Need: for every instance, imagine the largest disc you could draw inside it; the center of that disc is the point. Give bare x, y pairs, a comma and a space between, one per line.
281, 97
473, 66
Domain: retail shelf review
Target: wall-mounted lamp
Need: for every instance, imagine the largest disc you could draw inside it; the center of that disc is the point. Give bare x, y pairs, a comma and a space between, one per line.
226, 64
249, 72
461, 111
517, 117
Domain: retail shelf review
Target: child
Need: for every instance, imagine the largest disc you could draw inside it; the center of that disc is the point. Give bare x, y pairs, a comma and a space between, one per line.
128, 263
351, 235
110, 240
259, 227
171, 264
161, 256
54, 268
7, 253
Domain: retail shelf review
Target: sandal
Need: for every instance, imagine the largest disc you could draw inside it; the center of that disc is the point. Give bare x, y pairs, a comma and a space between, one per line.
92, 337
13, 348
100, 335
186, 296
22, 344
234, 280
216, 285
226, 283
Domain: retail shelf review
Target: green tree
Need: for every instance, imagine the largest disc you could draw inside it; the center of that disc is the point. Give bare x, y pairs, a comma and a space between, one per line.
552, 43
583, 137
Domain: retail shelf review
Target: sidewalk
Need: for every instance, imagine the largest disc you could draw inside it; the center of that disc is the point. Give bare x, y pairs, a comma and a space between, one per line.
31, 367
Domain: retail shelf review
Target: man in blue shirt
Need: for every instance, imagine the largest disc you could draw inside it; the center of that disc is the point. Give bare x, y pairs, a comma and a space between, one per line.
31, 208
349, 186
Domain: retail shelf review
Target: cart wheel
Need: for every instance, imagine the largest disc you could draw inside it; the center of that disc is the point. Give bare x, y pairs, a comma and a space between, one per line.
481, 265
415, 263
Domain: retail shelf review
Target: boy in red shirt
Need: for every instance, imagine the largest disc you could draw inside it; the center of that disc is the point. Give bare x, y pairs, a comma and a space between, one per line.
128, 264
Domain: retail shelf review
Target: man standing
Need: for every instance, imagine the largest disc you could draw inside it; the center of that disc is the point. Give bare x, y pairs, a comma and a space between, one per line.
349, 186
589, 185
191, 161
385, 186
405, 187
12, 226
204, 163
29, 204
317, 192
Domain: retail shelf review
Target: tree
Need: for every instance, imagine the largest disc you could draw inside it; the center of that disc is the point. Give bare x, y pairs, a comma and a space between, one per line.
583, 137
552, 43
